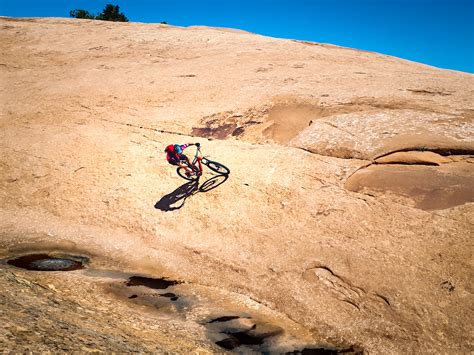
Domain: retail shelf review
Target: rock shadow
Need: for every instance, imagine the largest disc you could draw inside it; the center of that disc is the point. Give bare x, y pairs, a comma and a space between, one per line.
176, 199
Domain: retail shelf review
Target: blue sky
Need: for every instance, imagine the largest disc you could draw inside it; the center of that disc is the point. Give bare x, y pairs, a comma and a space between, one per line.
434, 32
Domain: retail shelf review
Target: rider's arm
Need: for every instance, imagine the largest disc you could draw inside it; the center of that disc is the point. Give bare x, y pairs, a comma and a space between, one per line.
184, 146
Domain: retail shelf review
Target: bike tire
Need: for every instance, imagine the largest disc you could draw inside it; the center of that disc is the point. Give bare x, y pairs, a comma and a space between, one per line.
217, 167
182, 172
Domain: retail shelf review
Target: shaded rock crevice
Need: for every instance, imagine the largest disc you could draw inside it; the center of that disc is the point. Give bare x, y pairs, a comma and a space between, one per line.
442, 151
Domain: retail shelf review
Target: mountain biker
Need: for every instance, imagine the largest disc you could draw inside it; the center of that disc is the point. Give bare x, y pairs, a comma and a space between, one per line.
175, 156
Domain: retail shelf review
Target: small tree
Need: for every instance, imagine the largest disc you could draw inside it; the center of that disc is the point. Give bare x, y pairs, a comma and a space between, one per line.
79, 13
112, 13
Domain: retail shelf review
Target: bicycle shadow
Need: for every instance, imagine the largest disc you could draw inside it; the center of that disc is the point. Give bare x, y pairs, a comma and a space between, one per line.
176, 199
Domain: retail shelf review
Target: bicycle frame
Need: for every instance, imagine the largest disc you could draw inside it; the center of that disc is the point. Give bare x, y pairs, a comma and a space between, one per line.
196, 166
197, 158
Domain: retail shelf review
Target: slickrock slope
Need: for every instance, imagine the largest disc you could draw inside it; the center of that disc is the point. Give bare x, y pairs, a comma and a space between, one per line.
346, 222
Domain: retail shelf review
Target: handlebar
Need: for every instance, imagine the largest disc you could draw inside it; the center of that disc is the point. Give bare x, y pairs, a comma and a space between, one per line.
198, 150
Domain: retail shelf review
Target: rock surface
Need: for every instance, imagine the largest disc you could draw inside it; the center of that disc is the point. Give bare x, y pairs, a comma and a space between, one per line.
422, 158
284, 243
426, 187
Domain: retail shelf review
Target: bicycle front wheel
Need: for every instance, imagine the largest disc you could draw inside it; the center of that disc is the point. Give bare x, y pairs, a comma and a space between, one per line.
217, 167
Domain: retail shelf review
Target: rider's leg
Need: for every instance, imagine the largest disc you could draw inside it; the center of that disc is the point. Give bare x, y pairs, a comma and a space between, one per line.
184, 163
190, 167
186, 167
187, 159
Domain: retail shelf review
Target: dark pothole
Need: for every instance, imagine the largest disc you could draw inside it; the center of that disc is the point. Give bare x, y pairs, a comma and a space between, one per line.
45, 262
251, 337
237, 339
157, 284
170, 295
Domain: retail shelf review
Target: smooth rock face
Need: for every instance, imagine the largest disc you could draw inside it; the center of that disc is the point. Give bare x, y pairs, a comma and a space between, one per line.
368, 135
307, 241
430, 188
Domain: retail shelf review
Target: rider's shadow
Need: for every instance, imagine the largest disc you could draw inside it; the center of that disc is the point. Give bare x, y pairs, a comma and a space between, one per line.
176, 199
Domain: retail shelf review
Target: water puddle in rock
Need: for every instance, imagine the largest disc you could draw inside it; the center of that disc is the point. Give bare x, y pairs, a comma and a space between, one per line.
253, 338
158, 284
170, 295
237, 339
229, 321
245, 334
45, 262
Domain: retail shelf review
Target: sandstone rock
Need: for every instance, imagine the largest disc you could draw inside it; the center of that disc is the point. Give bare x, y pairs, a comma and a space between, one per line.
303, 235
413, 157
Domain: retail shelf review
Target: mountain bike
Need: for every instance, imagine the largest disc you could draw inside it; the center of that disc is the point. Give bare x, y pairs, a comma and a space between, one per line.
196, 167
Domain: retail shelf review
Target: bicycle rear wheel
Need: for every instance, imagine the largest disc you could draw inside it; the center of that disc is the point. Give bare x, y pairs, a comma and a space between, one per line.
182, 172
217, 167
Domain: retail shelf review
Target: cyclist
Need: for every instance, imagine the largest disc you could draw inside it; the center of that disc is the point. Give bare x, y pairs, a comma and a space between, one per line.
175, 156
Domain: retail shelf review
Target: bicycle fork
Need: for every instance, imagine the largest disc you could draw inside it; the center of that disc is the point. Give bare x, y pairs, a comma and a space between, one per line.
200, 165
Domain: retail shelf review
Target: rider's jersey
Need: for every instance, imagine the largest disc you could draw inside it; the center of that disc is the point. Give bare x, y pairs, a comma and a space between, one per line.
175, 156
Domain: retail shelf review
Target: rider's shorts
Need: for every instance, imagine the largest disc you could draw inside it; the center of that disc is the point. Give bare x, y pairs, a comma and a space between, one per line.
182, 158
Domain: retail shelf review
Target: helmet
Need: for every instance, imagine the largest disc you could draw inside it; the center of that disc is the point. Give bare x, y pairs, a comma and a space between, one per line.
169, 148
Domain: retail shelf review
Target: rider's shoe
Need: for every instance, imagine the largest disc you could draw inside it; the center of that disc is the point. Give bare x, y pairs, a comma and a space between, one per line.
188, 174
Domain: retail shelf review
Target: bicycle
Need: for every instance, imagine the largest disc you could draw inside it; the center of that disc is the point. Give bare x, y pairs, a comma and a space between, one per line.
196, 167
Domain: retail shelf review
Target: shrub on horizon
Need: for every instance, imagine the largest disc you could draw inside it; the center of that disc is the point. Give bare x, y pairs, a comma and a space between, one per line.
80, 13
110, 13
